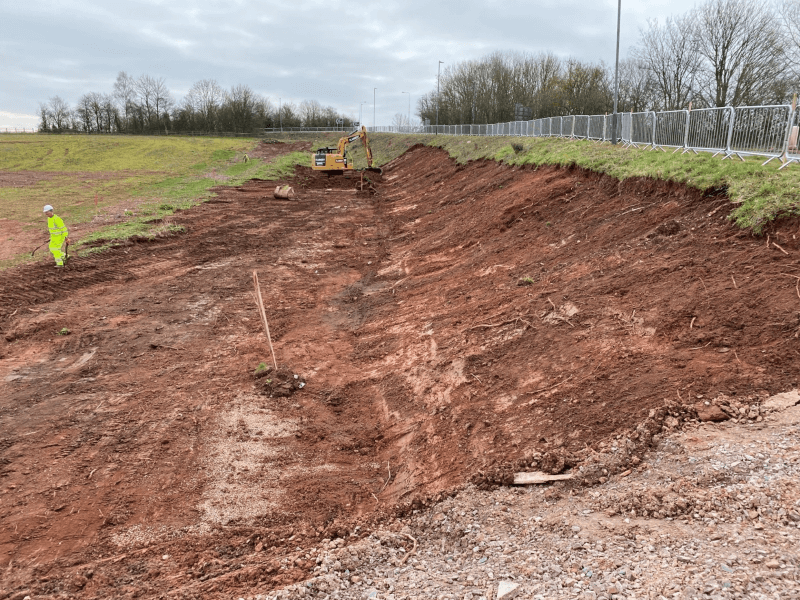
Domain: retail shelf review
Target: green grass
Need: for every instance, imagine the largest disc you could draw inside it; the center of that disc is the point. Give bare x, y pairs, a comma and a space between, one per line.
137, 181
759, 194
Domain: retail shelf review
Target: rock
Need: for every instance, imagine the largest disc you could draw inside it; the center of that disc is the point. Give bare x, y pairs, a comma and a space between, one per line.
782, 401
507, 590
772, 564
710, 413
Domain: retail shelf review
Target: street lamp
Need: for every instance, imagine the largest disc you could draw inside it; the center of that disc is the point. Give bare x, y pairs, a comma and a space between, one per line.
373, 107
409, 107
438, 76
361, 112
616, 80
280, 114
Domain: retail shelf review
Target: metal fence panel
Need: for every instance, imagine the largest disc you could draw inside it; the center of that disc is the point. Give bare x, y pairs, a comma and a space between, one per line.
671, 128
555, 126
760, 130
709, 128
642, 128
596, 127
626, 127
581, 128
770, 131
567, 123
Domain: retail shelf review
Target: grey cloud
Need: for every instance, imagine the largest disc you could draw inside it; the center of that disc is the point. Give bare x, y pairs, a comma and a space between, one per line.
333, 51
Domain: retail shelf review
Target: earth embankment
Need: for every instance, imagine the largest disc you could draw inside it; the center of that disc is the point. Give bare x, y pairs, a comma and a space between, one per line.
450, 323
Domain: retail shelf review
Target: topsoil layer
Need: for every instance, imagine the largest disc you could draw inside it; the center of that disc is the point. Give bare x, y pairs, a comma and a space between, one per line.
459, 323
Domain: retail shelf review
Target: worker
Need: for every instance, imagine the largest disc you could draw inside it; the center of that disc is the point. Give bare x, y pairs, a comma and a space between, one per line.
58, 234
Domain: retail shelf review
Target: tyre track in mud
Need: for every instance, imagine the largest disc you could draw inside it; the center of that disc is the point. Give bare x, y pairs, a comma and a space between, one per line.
465, 322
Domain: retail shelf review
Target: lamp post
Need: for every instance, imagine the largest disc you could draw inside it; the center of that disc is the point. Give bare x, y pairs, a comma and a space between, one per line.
616, 80
280, 114
360, 113
438, 76
409, 107
373, 107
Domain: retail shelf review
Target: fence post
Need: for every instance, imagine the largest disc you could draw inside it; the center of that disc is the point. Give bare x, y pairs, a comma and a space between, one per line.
653, 132
730, 132
686, 133
788, 136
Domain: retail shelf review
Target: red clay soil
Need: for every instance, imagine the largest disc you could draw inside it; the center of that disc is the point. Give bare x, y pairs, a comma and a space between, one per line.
458, 321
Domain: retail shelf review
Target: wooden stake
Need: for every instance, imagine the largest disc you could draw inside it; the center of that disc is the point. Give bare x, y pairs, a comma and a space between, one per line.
260, 303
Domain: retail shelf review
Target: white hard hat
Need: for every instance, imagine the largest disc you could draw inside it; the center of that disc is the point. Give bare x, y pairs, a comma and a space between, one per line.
47, 207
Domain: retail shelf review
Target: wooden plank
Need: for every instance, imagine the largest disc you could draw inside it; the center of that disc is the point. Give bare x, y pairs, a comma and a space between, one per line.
538, 477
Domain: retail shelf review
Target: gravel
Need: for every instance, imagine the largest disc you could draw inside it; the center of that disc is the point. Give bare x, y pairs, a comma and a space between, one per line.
712, 512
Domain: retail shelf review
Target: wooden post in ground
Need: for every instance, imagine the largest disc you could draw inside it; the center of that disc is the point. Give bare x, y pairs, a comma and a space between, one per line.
263, 313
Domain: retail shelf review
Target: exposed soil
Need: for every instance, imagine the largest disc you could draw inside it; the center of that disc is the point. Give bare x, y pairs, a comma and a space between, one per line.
458, 324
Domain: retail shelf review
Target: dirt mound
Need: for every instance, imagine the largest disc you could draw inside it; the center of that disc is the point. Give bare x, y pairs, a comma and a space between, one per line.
279, 383
465, 322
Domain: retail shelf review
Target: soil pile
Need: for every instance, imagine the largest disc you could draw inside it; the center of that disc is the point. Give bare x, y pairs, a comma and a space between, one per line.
462, 323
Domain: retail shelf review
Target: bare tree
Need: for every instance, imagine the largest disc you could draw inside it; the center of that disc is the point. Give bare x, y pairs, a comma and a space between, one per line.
741, 41
400, 121
125, 93
789, 11
205, 97
162, 101
239, 105
44, 115
636, 88
145, 92
311, 113
671, 54
583, 89
110, 113
60, 113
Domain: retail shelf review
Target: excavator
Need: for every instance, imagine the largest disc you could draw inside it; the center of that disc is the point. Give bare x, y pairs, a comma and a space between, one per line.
334, 161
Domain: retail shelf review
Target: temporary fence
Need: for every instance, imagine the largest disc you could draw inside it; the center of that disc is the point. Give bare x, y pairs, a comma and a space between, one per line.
18, 129
729, 132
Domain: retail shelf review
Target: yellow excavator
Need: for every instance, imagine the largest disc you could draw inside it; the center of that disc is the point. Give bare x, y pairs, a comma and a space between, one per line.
334, 161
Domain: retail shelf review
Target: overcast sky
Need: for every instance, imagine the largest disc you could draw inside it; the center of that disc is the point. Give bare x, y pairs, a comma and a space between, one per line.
330, 50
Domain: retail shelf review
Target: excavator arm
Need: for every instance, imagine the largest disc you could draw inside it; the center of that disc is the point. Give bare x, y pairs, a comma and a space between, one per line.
358, 133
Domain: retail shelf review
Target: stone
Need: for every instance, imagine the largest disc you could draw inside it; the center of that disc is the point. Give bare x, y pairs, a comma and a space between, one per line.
711, 413
507, 590
772, 564
782, 401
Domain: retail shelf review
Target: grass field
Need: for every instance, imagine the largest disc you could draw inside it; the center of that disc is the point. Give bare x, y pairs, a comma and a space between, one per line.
116, 186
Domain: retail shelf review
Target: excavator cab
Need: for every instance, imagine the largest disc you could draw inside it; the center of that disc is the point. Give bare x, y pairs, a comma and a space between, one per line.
329, 159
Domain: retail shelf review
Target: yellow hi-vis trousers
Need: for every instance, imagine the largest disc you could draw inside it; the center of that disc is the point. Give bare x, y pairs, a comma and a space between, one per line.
56, 243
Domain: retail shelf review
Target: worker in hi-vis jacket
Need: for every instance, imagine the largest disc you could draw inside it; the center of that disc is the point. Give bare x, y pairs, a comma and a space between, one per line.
58, 234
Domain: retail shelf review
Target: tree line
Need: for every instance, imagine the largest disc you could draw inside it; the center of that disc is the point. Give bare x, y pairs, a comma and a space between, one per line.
721, 53
144, 104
